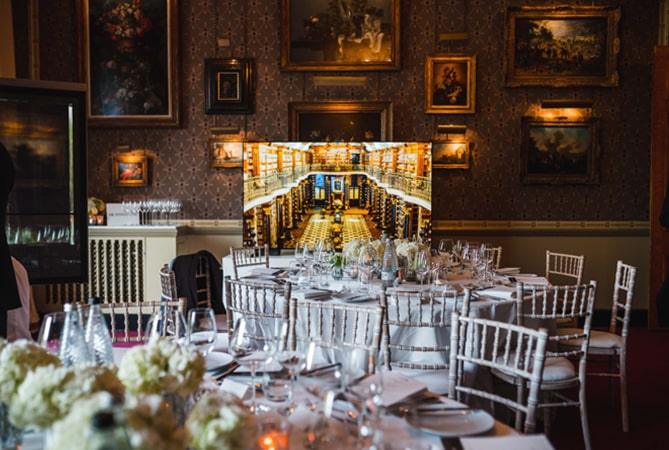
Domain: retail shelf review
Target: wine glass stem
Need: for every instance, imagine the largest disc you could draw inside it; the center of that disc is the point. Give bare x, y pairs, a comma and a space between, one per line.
253, 389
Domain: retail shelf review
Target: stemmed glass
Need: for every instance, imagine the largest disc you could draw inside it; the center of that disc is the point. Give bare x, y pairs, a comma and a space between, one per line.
422, 263
202, 329
250, 348
349, 266
368, 263
293, 360
170, 323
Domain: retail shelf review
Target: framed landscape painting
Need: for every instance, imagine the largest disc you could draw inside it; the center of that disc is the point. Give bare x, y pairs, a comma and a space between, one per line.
129, 61
562, 46
340, 121
225, 153
327, 35
450, 154
559, 151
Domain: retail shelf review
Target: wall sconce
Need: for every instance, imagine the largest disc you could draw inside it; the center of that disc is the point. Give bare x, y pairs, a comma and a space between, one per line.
225, 130
452, 129
565, 103
323, 80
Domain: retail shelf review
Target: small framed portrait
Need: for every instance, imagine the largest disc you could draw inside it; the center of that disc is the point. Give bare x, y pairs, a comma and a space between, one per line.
130, 171
450, 84
450, 154
228, 86
226, 154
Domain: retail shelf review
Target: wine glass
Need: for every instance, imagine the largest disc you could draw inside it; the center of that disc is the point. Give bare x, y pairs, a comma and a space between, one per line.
250, 348
368, 262
349, 266
169, 323
50, 331
299, 252
202, 329
293, 360
422, 263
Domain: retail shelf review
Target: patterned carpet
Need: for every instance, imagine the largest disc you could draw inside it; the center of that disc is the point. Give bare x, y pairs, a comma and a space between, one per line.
354, 226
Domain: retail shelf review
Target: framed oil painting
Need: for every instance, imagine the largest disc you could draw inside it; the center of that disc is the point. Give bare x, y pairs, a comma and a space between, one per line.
228, 86
130, 171
562, 46
559, 151
225, 153
450, 154
327, 35
130, 62
340, 121
450, 84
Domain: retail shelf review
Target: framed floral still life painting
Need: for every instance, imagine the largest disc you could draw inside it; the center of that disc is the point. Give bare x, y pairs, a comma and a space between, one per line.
225, 153
561, 46
130, 171
450, 154
329, 35
559, 151
130, 62
228, 86
450, 84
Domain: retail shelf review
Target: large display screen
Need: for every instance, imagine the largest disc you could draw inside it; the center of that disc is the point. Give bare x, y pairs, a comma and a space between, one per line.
305, 191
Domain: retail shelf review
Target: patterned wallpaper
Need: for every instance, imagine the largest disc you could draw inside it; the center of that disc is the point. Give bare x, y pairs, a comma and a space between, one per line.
489, 190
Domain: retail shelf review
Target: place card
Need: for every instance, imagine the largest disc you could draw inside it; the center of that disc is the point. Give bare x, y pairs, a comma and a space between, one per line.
522, 442
396, 386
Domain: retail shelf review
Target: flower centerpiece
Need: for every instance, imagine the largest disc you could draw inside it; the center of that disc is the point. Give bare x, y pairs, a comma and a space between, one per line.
96, 211
163, 367
406, 252
150, 425
48, 392
219, 420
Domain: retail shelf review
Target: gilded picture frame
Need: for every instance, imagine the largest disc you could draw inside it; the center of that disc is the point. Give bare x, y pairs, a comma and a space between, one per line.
559, 151
450, 154
359, 35
228, 85
129, 60
561, 46
340, 121
224, 153
450, 84
130, 171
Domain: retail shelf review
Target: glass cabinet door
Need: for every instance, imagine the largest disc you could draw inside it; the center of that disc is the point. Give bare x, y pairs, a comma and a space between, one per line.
43, 126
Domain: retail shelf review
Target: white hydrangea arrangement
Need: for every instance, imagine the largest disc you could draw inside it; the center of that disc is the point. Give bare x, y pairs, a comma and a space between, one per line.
17, 360
352, 248
153, 426
150, 425
162, 365
220, 421
47, 393
407, 248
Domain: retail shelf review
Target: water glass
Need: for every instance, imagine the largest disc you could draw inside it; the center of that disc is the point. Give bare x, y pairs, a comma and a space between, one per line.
170, 323
50, 331
202, 329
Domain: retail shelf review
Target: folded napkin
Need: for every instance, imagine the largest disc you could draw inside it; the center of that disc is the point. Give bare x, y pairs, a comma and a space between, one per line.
501, 292
508, 270
312, 294
542, 281
523, 442
396, 386
266, 271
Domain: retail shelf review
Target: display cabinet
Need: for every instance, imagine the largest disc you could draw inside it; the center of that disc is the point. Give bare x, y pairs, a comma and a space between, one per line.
43, 126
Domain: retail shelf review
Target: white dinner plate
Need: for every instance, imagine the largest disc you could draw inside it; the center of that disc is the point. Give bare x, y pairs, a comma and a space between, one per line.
453, 424
216, 360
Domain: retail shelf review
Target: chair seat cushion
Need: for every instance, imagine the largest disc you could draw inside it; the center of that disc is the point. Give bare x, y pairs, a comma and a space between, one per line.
558, 369
598, 339
435, 380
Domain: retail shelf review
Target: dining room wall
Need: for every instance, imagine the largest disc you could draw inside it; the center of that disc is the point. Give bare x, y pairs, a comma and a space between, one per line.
489, 191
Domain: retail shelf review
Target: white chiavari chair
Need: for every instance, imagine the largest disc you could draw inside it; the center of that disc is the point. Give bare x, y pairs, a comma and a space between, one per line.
512, 349
128, 320
249, 257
